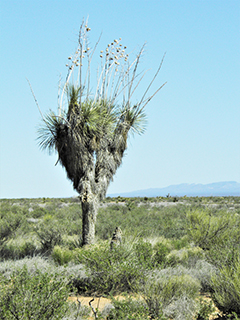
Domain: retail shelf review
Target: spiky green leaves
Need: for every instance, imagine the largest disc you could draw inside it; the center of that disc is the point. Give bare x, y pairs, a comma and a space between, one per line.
90, 120
135, 119
48, 132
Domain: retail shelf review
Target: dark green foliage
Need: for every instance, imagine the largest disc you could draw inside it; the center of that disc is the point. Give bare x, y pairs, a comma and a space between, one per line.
50, 235
206, 229
144, 253
130, 309
110, 270
40, 296
10, 221
62, 256
160, 252
226, 288
19, 249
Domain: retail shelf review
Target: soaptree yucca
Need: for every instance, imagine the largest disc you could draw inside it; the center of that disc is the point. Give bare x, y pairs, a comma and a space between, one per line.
91, 128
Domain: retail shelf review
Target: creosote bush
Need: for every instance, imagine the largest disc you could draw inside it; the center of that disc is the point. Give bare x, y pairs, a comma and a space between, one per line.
62, 256
162, 293
226, 288
50, 235
206, 229
110, 270
39, 296
131, 309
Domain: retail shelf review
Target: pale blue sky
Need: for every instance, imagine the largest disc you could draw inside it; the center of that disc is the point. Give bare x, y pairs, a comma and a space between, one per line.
193, 132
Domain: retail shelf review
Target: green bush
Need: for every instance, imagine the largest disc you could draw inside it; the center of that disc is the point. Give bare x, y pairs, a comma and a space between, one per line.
224, 254
62, 256
130, 309
207, 229
110, 270
186, 256
161, 250
50, 234
19, 248
162, 291
38, 212
40, 296
9, 223
226, 288
144, 253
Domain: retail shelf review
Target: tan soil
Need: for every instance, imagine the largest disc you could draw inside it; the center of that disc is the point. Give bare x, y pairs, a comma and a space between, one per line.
99, 303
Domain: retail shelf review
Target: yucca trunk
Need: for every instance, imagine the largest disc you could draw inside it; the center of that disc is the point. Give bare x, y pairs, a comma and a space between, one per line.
90, 203
89, 215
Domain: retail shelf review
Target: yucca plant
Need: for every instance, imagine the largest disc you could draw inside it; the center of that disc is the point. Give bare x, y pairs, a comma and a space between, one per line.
91, 129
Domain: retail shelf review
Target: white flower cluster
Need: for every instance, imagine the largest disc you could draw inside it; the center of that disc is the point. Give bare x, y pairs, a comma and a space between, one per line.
114, 53
80, 52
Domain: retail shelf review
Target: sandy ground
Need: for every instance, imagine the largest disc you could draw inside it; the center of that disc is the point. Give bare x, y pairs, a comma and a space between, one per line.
99, 303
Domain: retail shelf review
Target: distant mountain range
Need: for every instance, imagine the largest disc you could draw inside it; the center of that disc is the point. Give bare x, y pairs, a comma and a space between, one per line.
217, 189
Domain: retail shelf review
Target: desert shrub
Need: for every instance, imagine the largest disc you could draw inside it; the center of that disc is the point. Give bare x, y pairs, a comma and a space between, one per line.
9, 223
72, 241
74, 274
187, 256
182, 308
70, 215
224, 254
12, 225
207, 229
50, 234
77, 312
130, 309
161, 250
39, 296
130, 204
19, 248
7, 267
226, 288
38, 212
203, 271
143, 219
164, 291
61, 255
180, 243
110, 270
144, 253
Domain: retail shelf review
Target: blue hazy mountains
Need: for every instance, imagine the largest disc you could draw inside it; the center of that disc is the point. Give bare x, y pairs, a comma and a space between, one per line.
217, 189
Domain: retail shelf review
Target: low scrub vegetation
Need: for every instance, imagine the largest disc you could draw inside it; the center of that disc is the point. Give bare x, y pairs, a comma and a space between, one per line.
174, 253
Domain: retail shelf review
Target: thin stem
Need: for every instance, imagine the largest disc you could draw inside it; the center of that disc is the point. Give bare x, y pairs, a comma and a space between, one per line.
150, 84
134, 71
35, 99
